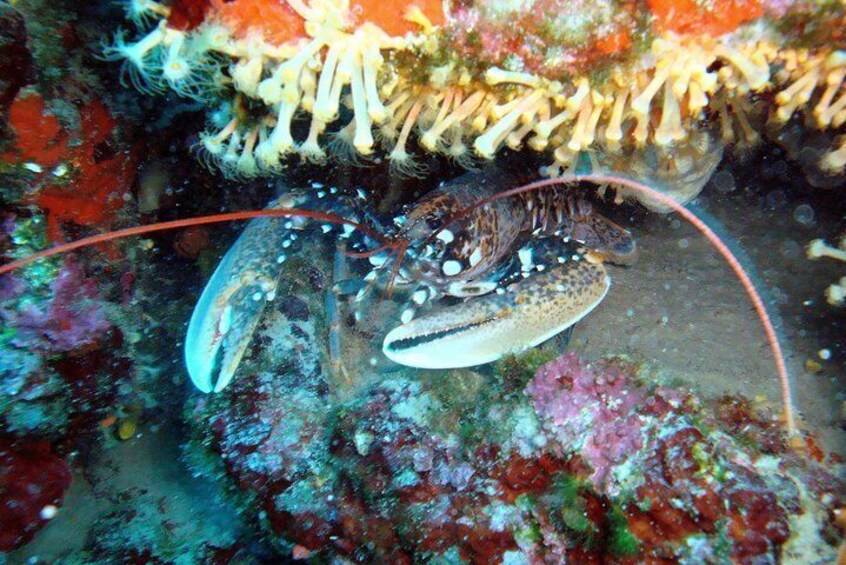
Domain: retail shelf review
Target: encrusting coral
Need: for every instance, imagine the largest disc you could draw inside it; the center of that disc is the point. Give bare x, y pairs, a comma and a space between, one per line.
472, 78
586, 465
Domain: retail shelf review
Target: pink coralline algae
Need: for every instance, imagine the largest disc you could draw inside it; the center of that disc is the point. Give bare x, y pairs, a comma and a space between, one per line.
33, 480
596, 413
690, 482
72, 318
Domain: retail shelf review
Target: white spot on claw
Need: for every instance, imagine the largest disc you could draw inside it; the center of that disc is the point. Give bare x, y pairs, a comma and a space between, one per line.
446, 236
451, 268
419, 297
407, 316
377, 260
525, 256
476, 256
225, 321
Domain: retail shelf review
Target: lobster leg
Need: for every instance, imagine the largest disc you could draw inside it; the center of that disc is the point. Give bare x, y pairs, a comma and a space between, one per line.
333, 317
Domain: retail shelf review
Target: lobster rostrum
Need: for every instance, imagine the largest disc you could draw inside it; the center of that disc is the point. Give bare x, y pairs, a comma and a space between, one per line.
523, 269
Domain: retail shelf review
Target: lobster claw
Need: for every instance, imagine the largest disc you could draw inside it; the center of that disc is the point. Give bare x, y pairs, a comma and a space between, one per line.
482, 330
231, 305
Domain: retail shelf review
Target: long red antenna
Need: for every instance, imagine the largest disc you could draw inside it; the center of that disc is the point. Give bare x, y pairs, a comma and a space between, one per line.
201, 220
714, 239
598, 178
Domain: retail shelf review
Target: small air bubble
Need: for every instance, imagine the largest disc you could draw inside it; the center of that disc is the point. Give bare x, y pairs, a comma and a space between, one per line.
724, 182
683, 243
824, 354
804, 215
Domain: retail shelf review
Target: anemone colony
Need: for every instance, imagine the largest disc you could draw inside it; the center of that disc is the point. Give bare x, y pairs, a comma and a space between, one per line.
835, 293
609, 77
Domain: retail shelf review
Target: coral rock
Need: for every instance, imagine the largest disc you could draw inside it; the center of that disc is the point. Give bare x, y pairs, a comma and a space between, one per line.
32, 478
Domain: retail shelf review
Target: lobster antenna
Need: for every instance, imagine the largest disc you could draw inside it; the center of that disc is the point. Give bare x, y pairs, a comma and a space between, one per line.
401, 251
596, 178
699, 224
198, 221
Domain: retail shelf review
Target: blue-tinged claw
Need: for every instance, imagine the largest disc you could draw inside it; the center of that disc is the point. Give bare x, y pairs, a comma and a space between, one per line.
484, 329
232, 303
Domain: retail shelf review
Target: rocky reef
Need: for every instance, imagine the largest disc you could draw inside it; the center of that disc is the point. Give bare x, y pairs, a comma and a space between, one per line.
34, 480
533, 462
